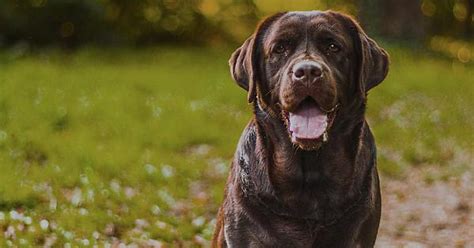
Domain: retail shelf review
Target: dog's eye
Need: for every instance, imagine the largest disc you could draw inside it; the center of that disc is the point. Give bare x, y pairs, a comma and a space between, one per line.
279, 49
333, 48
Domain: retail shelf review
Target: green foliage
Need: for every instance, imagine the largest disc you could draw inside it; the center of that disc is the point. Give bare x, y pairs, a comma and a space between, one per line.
136, 144
71, 23
74, 22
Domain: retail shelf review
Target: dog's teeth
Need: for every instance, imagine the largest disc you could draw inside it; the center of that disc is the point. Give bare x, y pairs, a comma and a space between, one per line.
325, 136
293, 138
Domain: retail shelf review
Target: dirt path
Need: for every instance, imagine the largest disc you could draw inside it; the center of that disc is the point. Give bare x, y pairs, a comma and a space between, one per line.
417, 213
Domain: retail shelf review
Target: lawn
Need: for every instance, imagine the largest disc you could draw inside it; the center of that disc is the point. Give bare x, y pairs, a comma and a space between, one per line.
134, 145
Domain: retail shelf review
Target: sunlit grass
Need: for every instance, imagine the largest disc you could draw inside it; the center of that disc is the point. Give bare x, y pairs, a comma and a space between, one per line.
135, 145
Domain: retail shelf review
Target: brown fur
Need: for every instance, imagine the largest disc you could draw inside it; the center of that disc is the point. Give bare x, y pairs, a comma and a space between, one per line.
305, 193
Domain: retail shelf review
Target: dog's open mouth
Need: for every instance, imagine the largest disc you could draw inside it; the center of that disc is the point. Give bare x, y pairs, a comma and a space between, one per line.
308, 124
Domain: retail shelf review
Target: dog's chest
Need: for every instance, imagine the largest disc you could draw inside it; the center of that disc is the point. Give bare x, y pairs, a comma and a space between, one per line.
276, 232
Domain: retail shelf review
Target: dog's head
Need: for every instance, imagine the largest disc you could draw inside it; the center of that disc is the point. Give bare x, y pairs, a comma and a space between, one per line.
303, 66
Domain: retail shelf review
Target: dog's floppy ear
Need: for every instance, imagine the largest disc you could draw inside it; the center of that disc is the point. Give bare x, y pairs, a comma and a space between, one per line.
244, 62
242, 68
373, 60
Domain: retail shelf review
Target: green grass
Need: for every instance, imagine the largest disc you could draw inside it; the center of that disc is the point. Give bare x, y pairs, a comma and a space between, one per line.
135, 145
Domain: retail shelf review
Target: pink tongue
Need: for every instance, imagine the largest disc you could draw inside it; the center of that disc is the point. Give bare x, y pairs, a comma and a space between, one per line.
308, 122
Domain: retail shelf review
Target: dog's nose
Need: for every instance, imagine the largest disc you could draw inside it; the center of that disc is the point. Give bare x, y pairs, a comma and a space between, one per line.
307, 70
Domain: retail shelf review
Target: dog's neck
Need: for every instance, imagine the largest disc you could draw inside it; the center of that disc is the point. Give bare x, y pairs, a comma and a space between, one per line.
301, 178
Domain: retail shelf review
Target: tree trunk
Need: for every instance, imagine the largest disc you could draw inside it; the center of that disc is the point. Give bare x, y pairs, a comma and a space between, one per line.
394, 19
468, 21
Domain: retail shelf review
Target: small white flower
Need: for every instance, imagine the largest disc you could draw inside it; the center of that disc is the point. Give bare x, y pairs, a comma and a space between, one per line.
129, 192
199, 221
53, 225
27, 220
160, 224
20, 227
145, 236
10, 232
83, 211
90, 195
53, 204
68, 235
154, 243
85, 242
84, 179
115, 186
141, 223
167, 197
200, 240
76, 198
155, 210
44, 224
50, 240
167, 171
150, 169
220, 166
156, 111
67, 245
14, 215
2, 216
96, 235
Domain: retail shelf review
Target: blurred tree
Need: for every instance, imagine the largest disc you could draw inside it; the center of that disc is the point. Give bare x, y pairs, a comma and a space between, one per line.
395, 19
45, 22
451, 18
70, 23
469, 20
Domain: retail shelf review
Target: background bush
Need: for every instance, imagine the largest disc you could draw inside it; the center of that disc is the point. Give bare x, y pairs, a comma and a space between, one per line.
71, 23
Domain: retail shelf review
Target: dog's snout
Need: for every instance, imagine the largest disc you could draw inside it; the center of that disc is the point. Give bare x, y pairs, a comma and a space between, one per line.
307, 71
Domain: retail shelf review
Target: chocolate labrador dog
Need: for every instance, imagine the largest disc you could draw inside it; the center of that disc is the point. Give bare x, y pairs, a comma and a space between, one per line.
304, 173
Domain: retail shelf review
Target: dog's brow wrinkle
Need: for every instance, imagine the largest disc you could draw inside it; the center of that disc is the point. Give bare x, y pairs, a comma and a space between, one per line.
330, 29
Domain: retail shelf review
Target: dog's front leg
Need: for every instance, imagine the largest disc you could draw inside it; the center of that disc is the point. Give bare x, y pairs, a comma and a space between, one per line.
238, 232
